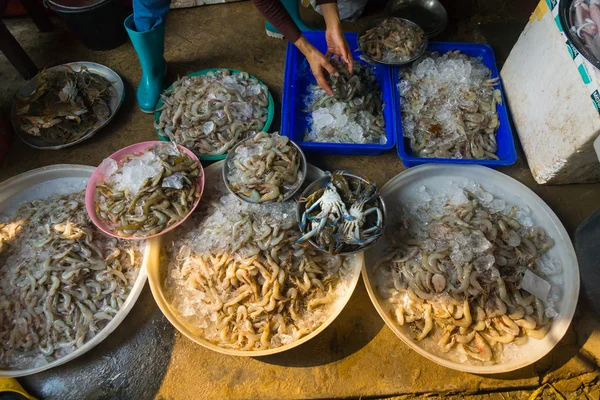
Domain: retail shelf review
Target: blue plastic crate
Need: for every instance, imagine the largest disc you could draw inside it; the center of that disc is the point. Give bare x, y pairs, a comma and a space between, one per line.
297, 78
506, 144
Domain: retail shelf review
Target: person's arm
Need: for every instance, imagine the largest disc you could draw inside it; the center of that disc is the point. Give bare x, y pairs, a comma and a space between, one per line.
336, 41
277, 15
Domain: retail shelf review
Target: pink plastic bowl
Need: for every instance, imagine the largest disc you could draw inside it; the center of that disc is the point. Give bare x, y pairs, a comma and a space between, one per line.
98, 177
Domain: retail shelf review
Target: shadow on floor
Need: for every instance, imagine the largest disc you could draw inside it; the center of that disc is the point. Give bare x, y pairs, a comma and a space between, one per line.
570, 347
129, 364
352, 330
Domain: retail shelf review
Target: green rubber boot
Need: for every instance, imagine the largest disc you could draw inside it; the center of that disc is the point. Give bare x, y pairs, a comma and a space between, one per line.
149, 47
293, 8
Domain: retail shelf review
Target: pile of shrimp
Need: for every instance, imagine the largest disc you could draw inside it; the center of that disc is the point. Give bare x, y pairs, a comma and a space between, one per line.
472, 303
62, 280
210, 113
393, 40
240, 279
449, 107
265, 168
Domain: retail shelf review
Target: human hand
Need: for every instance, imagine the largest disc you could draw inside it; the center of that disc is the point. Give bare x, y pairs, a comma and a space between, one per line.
337, 45
318, 62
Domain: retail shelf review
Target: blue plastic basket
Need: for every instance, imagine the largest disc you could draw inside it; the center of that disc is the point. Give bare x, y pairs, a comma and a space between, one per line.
298, 77
506, 144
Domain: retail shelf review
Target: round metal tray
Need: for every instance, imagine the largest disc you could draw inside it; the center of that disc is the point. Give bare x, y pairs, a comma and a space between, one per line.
157, 273
117, 96
41, 183
402, 189
415, 56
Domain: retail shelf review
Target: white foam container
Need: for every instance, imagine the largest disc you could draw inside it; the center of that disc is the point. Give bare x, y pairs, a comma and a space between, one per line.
436, 177
39, 184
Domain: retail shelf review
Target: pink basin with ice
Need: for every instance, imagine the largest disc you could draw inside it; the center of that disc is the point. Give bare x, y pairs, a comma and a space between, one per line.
99, 177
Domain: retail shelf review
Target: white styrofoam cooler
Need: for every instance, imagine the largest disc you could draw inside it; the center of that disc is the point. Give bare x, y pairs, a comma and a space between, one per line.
554, 115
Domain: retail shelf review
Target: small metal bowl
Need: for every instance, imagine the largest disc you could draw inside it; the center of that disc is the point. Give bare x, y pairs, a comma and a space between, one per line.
322, 183
430, 15
288, 195
418, 53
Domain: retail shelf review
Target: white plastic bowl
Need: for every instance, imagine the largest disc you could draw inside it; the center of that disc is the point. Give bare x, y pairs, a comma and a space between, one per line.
402, 189
41, 183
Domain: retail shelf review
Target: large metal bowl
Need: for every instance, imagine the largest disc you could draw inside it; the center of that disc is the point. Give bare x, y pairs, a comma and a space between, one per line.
289, 194
322, 183
564, 14
418, 53
430, 15
117, 95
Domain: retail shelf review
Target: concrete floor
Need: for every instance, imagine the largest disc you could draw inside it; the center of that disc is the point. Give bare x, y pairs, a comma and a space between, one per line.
357, 356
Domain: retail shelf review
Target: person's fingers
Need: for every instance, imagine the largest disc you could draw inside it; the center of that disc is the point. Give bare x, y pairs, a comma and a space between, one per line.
323, 82
330, 68
350, 62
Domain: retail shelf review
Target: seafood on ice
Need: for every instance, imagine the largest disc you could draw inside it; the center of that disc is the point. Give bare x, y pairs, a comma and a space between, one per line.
456, 277
393, 40
585, 19
238, 277
343, 216
66, 105
210, 113
354, 114
146, 193
265, 168
449, 107
62, 280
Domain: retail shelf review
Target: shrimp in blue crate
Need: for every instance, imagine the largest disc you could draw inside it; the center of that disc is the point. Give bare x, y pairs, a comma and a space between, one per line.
449, 107
353, 114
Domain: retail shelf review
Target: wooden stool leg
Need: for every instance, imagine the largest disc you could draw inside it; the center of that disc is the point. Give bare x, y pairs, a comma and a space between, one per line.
15, 53
37, 14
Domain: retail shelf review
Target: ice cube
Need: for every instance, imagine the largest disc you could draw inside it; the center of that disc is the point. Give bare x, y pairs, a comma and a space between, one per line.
108, 167
513, 239
241, 111
497, 205
478, 242
208, 127
484, 263
174, 181
535, 285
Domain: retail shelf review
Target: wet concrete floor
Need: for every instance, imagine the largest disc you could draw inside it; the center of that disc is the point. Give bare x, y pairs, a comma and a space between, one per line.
357, 355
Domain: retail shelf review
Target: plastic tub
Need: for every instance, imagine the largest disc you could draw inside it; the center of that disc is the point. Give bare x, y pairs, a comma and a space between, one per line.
297, 78
506, 144
202, 157
403, 189
97, 23
62, 179
157, 270
98, 177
